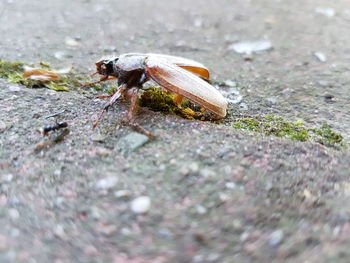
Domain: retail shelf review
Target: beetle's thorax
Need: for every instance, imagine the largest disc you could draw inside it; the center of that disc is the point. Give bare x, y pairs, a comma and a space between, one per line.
129, 69
128, 62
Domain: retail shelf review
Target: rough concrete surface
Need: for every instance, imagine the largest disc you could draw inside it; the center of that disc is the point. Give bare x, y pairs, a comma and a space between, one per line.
209, 193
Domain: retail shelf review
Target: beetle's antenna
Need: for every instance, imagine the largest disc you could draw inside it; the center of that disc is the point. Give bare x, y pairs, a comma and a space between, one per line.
103, 78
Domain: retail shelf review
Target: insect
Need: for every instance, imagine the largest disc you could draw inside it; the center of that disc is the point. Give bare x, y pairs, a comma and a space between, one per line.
46, 129
184, 77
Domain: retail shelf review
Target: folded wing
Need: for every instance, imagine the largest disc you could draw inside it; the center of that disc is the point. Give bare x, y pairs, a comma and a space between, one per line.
188, 64
180, 81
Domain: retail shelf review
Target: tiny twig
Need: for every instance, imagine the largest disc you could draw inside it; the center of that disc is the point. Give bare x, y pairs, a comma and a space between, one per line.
54, 114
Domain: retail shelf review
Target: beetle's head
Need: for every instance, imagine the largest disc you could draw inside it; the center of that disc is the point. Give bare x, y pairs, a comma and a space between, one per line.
105, 67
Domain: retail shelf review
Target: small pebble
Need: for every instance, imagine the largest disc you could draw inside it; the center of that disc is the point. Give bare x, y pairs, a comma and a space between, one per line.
95, 212
59, 231
107, 229
198, 22
165, 232
3, 126
346, 188
125, 231
198, 258
249, 47
131, 142
201, 209
193, 167
59, 55
237, 224
213, 257
244, 237
207, 173
103, 152
107, 183
122, 193
71, 42
324, 83
189, 169
243, 106
230, 185
328, 12
3, 200
14, 88
230, 83
13, 214
57, 172
320, 56
96, 137
271, 101
276, 238
6, 178
15, 232
141, 205
90, 250
233, 96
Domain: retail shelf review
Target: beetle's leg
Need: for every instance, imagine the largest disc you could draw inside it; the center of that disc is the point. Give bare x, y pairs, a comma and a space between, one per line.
113, 99
100, 117
134, 97
103, 96
103, 78
107, 96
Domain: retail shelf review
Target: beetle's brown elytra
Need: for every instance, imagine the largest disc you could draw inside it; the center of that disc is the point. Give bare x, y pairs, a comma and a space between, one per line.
182, 76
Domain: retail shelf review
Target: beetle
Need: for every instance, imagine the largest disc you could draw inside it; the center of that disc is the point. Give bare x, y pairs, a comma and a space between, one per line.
58, 125
184, 77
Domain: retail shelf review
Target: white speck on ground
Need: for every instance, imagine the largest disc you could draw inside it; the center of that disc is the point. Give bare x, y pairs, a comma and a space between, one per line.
140, 205
250, 47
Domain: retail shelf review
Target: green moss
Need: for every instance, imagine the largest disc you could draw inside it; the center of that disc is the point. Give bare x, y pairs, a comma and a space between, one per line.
111, 90
29, 83
326, 136
277, 126
273, 125
71, 81
57, 87
10, 68
157, 99
15, 78
45, 65
13, 71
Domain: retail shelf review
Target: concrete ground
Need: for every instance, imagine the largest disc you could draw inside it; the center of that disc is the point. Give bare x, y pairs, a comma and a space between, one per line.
216, 194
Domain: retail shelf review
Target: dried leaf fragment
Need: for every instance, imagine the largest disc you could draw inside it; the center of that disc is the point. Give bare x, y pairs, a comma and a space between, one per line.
41, 75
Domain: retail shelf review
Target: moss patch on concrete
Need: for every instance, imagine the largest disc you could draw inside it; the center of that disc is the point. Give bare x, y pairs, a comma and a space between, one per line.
13, 71
277, 126
159, 99
8, 69
273, 125
326, 136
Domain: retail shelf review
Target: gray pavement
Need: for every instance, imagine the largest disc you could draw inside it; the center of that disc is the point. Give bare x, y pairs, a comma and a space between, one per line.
216, 194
